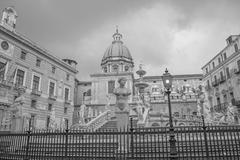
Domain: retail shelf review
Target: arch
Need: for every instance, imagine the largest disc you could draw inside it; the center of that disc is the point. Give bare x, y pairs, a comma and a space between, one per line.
181, 124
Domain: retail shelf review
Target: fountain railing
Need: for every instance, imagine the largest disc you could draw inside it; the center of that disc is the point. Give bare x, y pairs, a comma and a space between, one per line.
96, 122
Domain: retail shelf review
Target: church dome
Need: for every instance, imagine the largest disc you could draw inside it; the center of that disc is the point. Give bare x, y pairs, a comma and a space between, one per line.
116, 51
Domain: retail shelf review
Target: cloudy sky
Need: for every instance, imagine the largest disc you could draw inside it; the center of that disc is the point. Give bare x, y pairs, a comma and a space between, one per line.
179, 34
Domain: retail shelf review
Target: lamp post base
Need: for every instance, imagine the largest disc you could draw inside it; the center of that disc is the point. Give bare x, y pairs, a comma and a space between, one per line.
173, 149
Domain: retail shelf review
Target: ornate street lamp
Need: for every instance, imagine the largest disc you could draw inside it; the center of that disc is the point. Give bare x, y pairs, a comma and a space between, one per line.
167, 82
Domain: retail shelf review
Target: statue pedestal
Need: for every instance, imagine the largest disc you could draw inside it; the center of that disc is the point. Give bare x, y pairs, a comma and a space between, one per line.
122, 120
122, 125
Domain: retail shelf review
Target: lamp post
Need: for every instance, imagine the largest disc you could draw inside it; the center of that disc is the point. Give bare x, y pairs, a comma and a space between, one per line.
167, 82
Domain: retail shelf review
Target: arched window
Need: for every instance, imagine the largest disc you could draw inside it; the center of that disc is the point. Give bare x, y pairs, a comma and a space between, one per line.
105, 69
115, 68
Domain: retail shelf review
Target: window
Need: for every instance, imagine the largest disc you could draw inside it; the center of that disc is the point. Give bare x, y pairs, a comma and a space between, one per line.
65, 110
23, 55
32, 120
206, 70
221, 75
20, 77
238, 64
213, 64
53, 69
105, 69
228, 73
51, 88
232, 98
111, 86
67, 77
176, 114
218, 101
38, 62
115, 68
219, 60
36, 82
66, 93
33, 103
49, 107
126, 68
224, 56
48, 122
2, 70
215, 79
66, 123
236, 47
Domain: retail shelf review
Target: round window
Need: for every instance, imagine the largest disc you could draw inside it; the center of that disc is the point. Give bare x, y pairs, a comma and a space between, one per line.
4, 45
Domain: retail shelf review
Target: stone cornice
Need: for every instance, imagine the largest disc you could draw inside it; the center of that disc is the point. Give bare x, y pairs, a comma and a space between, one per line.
37, 48
222, 64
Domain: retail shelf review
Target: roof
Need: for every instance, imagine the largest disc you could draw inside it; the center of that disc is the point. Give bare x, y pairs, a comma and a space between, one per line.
116, 50
37, 48
175, 76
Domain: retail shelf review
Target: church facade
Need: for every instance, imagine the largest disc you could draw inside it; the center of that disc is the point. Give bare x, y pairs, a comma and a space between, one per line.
117, 62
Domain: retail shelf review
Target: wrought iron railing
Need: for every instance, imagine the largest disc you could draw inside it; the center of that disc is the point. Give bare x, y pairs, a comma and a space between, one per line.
195, 142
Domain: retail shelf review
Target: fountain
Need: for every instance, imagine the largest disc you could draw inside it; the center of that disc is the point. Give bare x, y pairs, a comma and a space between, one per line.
142, 106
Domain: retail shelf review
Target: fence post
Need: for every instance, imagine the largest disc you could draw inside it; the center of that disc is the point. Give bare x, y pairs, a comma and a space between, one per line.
28, 139
205, 137
66, 143
131, 130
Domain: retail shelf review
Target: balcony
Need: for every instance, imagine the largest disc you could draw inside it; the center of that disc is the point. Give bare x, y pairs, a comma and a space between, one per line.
19, 87
222, 79
5, 83
237, 103
36, 92
221, 107
52, 97
215, 83
237, 70
67, 101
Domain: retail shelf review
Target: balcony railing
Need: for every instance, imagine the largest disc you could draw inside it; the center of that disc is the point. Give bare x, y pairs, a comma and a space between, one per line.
36, 92
221, 107
52, 97
237, 70
67, 101
215, 83
5, 83
222, 79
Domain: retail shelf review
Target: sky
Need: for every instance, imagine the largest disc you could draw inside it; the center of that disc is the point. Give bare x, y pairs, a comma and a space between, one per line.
182, 35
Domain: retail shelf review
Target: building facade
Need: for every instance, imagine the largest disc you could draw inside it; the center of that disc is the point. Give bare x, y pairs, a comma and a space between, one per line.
222, 77
35, 86
118, 62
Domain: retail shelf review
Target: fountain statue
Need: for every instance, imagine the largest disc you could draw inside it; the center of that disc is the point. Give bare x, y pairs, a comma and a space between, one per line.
122, 111
16, 109
122, 108
143, 106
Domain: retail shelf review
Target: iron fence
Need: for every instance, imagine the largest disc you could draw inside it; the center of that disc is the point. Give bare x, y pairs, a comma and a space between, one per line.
193, 142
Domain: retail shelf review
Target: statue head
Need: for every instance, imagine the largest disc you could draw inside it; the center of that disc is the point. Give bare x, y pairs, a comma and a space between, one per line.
122, 81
